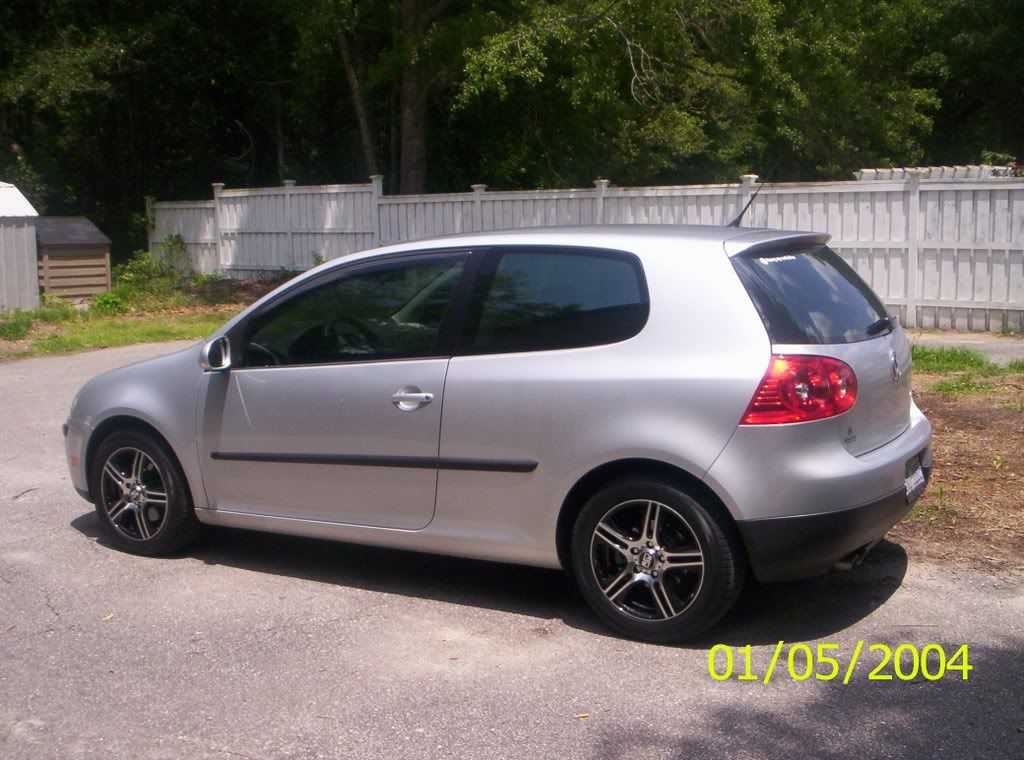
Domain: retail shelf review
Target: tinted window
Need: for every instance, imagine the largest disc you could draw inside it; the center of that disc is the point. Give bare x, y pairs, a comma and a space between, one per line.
547, 299
388, 312
809, 296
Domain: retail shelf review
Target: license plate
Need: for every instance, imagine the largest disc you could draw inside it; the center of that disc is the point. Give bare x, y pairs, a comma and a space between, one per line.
914, 482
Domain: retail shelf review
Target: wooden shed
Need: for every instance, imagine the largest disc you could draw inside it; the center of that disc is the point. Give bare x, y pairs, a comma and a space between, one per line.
74, 256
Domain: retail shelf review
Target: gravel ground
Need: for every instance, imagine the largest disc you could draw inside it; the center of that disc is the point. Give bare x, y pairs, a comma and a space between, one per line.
254, 646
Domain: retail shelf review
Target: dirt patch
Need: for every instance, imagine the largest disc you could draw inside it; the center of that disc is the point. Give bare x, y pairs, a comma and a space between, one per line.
973, 511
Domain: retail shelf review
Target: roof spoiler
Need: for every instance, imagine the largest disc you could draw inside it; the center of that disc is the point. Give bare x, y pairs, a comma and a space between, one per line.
770, 240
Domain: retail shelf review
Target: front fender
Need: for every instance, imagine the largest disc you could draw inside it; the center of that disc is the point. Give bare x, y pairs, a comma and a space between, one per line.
160, 392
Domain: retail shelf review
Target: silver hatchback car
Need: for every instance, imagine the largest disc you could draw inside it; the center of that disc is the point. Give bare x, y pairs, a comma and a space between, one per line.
657, 409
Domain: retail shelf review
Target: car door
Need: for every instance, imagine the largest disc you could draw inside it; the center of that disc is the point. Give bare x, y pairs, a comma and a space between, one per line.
543, 361
332, 409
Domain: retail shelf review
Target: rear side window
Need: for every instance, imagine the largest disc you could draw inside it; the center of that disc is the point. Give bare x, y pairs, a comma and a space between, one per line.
553, 298
809, 296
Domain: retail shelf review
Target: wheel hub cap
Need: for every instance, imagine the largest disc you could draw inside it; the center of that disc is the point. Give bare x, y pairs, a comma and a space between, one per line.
646, 560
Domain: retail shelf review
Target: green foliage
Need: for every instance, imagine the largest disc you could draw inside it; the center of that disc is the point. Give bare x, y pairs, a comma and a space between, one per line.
104, 105
1017, 365
15, 325
109, 303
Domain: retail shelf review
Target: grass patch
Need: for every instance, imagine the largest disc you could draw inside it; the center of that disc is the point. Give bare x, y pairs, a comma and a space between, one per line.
963, 383
91, 332
16, 325
1016, 406
940, 360
1017, 365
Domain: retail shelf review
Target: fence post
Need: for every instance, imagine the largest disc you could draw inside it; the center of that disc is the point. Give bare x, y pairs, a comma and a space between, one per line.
377, 190
478, 208
149, 221
601, 185
217, 187
746, 191
913, 233
289, 225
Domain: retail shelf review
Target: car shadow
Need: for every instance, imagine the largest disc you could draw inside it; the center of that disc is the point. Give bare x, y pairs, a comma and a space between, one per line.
764, 613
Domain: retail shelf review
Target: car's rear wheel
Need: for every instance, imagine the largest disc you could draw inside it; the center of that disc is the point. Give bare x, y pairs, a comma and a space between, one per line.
655, 563
141, 495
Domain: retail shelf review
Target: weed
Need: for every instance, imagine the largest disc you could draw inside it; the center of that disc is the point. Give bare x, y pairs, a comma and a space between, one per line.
932, 510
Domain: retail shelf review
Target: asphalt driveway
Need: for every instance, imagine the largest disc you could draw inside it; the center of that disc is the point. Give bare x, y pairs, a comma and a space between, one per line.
256, 646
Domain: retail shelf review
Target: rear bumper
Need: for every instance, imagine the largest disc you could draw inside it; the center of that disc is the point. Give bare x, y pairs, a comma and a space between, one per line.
786, 548
802, 502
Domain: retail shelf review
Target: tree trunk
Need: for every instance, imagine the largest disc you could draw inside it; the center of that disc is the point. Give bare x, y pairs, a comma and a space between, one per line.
412, 110
413, 129
355, 74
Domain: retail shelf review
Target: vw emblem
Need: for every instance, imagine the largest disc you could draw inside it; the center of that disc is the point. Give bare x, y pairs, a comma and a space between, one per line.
897, 373
646, 561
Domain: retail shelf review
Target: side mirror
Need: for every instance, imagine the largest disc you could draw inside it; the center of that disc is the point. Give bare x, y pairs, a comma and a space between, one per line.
216, 355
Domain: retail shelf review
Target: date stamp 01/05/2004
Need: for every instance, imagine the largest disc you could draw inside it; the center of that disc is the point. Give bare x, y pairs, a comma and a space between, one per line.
826, 662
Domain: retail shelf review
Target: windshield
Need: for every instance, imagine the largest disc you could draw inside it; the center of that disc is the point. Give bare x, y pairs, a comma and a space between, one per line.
810, 296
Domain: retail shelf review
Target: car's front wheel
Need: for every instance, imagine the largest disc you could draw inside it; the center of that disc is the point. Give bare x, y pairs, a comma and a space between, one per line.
141, 495
655, 563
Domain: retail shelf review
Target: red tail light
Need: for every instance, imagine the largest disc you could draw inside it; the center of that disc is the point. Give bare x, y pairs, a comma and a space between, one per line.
800, 388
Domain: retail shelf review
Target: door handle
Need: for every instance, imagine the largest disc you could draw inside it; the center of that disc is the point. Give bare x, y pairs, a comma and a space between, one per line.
411, 398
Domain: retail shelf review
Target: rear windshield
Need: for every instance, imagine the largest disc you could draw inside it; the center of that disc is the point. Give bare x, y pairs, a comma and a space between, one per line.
810, 296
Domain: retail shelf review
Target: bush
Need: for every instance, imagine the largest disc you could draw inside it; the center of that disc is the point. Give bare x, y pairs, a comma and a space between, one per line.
109, 303
145, 272
205, 279
15, 325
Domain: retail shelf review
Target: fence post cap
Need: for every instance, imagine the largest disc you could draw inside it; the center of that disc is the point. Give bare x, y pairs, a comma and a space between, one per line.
748, 179
288, 182
601, 182
217, 187
478, 188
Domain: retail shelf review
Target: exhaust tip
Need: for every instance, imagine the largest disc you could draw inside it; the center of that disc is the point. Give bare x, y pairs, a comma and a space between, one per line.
854, 558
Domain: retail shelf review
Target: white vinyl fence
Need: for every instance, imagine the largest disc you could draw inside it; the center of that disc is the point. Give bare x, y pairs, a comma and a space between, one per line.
943, 247
19, 270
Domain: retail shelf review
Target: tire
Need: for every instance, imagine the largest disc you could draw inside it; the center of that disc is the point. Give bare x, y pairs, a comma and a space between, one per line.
139, 521
656, 591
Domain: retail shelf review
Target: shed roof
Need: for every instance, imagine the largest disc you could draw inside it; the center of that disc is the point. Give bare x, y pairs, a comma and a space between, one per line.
13, 203
68, 230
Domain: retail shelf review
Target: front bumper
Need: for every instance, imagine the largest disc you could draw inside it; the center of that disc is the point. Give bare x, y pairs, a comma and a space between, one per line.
76, 434
786, 548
